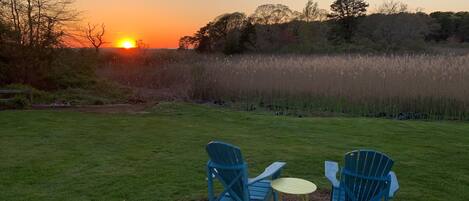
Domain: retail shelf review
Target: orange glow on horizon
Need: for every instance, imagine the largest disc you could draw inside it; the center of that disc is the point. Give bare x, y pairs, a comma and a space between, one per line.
127, 43
160, 24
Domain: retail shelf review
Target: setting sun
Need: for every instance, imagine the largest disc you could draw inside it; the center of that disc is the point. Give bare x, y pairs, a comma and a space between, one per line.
127, 43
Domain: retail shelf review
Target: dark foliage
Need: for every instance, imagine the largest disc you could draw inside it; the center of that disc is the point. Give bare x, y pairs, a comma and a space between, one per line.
454, 27
395, 32
346, 14
275, 28
32, 48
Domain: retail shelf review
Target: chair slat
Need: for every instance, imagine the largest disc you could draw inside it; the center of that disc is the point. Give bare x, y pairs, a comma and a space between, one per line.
228, 166
363, 176
229, 155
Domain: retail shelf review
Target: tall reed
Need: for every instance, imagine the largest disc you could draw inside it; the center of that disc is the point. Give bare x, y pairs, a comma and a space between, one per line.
404, 86
397, 86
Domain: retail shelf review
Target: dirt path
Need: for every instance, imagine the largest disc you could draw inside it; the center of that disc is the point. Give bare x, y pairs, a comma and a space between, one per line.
141, 100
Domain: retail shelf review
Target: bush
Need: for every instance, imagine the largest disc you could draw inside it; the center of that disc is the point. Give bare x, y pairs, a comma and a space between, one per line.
39, 96
47, 69
17, 102
20, 102
73, 69
102, 92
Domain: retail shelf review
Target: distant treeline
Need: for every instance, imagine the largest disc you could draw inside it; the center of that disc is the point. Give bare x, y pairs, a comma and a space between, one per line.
346, 28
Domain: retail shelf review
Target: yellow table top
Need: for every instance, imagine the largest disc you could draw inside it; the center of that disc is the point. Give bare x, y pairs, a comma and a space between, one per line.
293, 186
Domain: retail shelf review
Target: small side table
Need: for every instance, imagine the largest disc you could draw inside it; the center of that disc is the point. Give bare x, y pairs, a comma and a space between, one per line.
294, 186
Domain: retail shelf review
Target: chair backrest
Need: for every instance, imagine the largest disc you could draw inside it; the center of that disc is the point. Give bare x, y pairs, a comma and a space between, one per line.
365, 175
227, 164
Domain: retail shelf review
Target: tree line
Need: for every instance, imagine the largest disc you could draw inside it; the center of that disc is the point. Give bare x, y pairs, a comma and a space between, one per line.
35, 36
345, 28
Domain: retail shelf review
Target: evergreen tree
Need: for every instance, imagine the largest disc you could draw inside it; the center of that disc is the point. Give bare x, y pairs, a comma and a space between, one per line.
346, 13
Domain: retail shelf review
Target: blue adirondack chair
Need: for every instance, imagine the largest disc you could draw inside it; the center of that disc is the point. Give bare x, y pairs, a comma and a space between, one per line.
367, 176
227, 165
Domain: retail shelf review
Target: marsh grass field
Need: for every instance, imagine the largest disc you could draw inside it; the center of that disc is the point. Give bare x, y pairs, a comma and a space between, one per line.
160, 155
417, 86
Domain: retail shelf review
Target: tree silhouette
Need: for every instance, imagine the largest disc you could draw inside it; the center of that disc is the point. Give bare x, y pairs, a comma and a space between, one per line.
38, 23
312, 12
346, 12
35, 31
392, 7
222, 34
95, 35
185, 42
226, 31
273, 14
202, 41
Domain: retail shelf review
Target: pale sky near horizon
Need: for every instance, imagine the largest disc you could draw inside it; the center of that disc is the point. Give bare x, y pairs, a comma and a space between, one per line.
160, 23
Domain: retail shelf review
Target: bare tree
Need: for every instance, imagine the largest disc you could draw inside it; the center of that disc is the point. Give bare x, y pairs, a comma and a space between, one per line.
232, 21
392, 7
420, 10
312, 12
273, 14
323, 15
38, 23
35, 29
95, 35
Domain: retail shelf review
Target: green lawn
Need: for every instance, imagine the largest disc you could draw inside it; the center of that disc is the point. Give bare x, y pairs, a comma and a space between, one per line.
47, 155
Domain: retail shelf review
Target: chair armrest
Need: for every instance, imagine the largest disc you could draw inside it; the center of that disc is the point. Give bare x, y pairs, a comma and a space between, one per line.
213, 177
270, 171
394, 186
331, 170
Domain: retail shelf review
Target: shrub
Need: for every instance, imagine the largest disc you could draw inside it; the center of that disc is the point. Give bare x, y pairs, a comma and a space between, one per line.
20, 102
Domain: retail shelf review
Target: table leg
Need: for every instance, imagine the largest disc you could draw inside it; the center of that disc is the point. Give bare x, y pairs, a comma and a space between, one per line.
306, 197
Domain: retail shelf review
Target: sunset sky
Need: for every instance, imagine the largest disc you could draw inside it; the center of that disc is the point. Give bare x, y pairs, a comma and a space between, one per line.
160, 23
